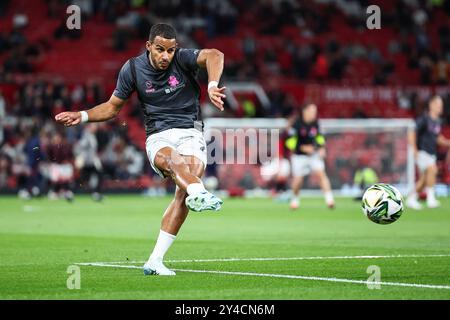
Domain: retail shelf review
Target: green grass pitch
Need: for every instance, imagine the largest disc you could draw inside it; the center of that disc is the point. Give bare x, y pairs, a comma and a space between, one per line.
42, 238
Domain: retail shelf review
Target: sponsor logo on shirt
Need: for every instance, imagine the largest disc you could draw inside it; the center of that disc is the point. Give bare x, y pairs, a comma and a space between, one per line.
434, 128
173, 81
174, 84
149, 86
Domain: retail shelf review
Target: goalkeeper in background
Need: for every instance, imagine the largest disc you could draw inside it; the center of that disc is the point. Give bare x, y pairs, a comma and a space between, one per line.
308, 153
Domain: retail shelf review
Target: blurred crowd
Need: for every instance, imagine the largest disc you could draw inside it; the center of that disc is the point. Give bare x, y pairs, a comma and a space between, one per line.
36, 156
415, 26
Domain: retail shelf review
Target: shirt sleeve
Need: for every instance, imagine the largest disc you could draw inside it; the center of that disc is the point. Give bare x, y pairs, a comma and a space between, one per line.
188, 58
125, 84
320, 138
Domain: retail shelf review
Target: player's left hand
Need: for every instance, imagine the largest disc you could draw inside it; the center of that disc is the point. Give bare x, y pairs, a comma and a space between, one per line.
216, 95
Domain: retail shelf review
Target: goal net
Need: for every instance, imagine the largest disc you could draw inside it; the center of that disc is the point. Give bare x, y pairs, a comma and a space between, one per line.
249, 154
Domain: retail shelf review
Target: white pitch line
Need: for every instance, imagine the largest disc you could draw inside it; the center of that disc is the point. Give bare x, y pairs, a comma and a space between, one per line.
287, 276
311, 258
293, 258
103, 264
401, 284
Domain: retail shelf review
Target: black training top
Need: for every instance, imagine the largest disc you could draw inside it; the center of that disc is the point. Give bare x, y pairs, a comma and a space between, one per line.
169, 98
427, 131
307, 133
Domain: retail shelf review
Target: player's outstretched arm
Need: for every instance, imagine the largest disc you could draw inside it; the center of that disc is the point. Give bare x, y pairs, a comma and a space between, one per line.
101, 112
412, 141
212, 60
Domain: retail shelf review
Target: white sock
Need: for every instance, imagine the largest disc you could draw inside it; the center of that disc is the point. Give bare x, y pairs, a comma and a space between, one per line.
430, 193
413, 195
163, 244
195, 188
329, 197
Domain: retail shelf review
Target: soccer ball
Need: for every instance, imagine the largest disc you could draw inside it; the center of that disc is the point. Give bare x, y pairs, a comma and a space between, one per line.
382, 203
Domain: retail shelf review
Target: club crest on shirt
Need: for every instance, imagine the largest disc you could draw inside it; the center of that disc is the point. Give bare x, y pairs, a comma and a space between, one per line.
303, 132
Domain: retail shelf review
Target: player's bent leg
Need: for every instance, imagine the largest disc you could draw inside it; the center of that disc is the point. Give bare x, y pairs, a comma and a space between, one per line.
172, 164
204, 200
412, 200
297, 182
325, 185
420, 184
176, 213
430, 181
175, 165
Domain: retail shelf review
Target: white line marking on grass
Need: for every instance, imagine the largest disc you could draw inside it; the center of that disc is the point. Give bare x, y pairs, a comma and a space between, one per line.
104, 264
311, 258
287, 276
400, 284
294, 258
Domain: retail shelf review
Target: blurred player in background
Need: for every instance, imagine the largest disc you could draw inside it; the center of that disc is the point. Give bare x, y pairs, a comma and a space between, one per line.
164, 77
88, 161
425, 141
308, 147
363, 179
60, 168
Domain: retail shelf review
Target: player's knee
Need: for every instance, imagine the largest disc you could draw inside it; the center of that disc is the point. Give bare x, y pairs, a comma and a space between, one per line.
161, 161
297, 180
170, 165
432, 170
321, 174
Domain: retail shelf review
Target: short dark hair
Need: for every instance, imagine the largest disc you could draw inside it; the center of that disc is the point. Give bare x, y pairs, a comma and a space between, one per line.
307, 104
163, 30
434, 97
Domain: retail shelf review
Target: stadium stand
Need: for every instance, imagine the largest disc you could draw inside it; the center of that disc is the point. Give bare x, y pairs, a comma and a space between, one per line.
298, 51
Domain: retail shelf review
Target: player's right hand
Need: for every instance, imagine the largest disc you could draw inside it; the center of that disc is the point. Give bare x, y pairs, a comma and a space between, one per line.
216, 95
68, 119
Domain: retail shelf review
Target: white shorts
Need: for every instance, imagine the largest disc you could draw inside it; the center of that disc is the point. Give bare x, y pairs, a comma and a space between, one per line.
187, 142
425, 160
278, 168
60, 173
302, 165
